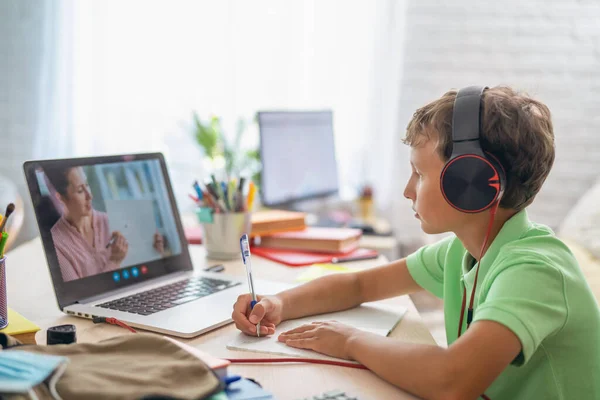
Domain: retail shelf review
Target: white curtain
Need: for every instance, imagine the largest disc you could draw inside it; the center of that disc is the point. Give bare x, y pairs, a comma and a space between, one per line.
34, 91
141, 67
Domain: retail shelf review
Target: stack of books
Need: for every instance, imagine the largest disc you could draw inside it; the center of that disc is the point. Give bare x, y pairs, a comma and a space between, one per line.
285, 238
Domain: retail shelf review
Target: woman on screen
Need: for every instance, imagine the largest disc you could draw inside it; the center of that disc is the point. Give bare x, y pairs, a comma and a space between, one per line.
84, 244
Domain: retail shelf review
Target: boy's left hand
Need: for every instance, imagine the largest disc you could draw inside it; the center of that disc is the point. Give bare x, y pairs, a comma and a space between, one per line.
330, 338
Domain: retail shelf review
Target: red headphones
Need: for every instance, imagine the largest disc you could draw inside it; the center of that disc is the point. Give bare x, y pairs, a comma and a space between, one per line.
472, 181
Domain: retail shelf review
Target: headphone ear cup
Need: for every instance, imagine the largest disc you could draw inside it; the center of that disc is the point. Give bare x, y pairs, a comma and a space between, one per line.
472, 183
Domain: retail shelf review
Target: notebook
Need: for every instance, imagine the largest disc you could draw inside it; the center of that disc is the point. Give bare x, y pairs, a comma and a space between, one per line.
272, 221
294, 258
20, 328
315, 239
375, 318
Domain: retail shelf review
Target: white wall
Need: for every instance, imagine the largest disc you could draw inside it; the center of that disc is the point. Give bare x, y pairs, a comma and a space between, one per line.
550, 49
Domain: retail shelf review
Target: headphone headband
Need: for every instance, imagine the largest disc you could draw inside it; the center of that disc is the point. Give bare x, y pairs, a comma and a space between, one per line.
466, 116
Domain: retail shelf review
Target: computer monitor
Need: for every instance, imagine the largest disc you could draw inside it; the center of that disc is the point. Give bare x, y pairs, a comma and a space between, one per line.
298, 156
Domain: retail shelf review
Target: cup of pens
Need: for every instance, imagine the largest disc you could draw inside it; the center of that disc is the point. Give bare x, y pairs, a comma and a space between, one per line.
224, 213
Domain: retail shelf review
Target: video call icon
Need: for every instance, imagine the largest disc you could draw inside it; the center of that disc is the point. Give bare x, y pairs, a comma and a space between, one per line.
125, 274
135, 272
116, 276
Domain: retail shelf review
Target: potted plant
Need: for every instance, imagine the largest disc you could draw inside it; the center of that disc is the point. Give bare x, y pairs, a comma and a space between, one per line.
224, 153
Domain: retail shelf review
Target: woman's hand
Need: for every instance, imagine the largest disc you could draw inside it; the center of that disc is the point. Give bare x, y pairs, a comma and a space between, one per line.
267, 311
119, 247
159, 243
329, 338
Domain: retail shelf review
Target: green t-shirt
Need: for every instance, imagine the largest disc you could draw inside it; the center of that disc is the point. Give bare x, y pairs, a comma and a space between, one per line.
530, 282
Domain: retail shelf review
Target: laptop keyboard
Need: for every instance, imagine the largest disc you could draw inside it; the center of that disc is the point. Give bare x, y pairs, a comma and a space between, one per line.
169, 296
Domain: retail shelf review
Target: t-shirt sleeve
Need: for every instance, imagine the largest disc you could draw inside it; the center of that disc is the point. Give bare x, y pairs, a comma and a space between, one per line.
426, 266
529, 299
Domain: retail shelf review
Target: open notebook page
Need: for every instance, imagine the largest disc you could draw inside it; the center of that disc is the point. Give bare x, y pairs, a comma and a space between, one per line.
370, 317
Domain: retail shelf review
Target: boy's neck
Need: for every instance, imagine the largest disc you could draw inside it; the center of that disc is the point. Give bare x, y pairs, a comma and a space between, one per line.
472, 234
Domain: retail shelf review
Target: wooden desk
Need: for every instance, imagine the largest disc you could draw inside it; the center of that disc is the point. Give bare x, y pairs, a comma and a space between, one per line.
30, 292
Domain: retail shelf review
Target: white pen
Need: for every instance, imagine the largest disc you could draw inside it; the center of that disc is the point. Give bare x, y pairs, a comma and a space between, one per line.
245, 246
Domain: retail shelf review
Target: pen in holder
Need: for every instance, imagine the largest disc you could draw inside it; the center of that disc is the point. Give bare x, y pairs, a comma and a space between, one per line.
222, 231
3, 302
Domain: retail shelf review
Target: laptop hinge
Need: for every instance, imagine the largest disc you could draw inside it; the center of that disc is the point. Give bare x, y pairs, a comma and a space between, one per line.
133, 288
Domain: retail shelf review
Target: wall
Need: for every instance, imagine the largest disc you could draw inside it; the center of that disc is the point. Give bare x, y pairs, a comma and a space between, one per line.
549, 49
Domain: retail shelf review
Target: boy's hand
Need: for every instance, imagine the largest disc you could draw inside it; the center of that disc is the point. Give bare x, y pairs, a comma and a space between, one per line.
267, 311
330, 338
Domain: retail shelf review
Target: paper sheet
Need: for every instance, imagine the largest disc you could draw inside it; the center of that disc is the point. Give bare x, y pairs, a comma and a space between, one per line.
377, 319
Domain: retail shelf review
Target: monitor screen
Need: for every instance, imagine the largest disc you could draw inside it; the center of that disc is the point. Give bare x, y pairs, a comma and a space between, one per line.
106, 222
298, 156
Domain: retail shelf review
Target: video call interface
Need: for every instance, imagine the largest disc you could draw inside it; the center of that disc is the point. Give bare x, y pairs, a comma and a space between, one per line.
107, 218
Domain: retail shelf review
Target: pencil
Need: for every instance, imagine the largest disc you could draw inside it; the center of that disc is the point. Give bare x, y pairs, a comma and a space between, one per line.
3, 241
251, 193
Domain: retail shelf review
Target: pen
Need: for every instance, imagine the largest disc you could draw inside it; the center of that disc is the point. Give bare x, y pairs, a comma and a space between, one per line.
240, 197
111, 241
231, 194
245, 247
196, 187
337, 260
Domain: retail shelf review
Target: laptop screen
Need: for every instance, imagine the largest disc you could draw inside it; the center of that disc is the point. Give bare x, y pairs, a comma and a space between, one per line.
106, 222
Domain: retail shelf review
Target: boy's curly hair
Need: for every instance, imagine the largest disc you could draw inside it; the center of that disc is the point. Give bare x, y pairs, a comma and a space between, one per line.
515, 128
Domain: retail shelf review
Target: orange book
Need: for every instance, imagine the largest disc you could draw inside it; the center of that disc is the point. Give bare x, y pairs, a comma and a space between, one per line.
267, 222
323, 240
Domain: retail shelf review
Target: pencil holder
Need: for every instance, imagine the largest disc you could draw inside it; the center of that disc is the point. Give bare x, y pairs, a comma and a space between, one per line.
3, 304
222, 232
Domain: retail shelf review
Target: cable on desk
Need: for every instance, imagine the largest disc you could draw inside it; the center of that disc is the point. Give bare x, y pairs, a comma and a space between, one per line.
294, 360
113, 321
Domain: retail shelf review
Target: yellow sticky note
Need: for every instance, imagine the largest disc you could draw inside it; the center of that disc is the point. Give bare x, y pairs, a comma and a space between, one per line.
318, 270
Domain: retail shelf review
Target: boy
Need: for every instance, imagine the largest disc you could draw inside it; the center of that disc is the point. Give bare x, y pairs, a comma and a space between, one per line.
535, 329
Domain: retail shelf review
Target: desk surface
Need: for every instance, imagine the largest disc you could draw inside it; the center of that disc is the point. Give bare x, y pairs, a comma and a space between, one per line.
30, 292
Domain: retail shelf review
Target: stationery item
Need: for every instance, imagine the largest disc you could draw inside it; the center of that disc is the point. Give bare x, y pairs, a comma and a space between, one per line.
240, 203
338, 260
4, 317
205, 215
295, 258
62, 334
9, 210
215, 268
194, 199
316, 239
273, 221
221, 237
231, 193
196, 187
375, 318
111, 241
21, 371
245, 389
251, 194
193, 234
318, 270
245, 248
20, 328
3, 241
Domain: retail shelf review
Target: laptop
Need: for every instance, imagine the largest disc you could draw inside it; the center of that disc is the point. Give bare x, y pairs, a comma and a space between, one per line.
115, 246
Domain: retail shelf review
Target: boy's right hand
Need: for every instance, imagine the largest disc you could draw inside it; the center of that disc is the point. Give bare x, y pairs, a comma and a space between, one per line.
267, 311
